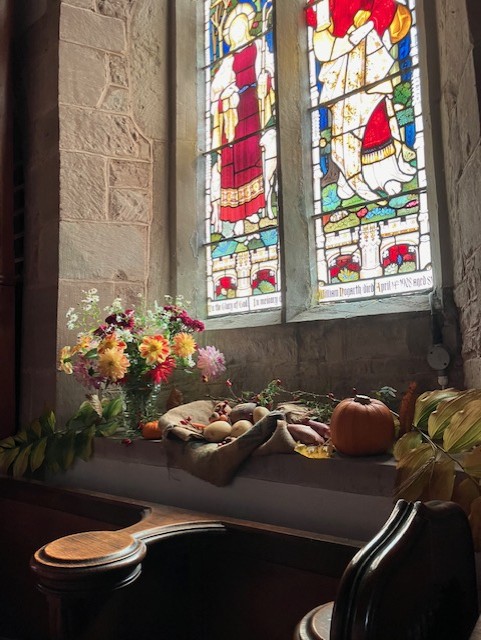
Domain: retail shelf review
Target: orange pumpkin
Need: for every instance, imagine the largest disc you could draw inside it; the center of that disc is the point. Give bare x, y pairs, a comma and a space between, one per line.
151, 430
362, 426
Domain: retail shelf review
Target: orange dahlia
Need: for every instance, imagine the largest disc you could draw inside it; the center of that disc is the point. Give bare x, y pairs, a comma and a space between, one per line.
111, 342
154, 349
184, 345
113, 364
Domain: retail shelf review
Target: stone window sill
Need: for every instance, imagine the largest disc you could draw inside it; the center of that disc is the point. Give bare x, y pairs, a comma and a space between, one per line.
346, 497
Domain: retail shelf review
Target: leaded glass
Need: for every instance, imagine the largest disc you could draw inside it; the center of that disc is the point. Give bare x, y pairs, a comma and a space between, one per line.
369, 177
241, 221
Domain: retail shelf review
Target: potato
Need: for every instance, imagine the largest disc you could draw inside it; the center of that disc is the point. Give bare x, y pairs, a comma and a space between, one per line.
242, 411
240, 427
217, 431
304, 434
258, 413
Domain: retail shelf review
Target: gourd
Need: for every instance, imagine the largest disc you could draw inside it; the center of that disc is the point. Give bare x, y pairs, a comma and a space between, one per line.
362, 426
151, 430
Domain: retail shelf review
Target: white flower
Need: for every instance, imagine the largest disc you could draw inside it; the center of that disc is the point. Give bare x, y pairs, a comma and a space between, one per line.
115, 307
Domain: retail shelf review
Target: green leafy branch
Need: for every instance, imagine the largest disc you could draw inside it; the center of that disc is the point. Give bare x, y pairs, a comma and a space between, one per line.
445, 436
41, 446
320, 405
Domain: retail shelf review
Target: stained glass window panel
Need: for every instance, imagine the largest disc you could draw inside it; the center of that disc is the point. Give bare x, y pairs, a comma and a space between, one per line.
369, 177
242, 210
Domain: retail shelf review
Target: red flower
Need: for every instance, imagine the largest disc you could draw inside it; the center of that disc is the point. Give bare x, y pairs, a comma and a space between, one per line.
163, 371
123, 320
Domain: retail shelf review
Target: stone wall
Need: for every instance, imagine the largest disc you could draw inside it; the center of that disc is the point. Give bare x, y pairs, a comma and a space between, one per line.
96, 143
98, 205
460, 64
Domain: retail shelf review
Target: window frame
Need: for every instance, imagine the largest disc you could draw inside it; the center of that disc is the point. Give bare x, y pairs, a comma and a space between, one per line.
296, 226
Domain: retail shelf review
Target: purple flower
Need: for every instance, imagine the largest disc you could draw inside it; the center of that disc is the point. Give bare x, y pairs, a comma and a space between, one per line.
211, 362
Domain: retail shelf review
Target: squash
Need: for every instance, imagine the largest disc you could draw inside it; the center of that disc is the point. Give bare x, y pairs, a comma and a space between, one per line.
151, 430
362, 426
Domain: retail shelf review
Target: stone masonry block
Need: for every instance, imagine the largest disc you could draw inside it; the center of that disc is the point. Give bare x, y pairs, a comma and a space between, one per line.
118, 73
469, 212
129, 205
90, 29
83, 192
116, 99
124, 173
115, 8
130, 294
82, 74
100, 132
148, 59
84, 4
102, 251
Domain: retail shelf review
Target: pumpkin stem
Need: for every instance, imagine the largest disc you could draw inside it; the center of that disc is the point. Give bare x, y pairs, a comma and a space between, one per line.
362, 399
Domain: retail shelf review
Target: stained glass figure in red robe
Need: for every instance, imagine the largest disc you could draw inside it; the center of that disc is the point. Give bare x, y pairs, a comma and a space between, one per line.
242, 102
353, 40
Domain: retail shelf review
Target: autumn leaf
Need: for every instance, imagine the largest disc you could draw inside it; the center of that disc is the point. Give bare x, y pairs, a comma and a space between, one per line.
465, 493
414, 471
317, 452
427, 402
406, 443
441, 483
464, 431
472, 462
440, 419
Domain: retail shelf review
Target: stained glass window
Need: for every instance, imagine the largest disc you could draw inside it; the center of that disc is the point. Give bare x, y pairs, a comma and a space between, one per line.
369, 178
241, 219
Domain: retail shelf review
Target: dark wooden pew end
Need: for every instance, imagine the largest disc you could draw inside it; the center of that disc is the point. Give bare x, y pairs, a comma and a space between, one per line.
415, 580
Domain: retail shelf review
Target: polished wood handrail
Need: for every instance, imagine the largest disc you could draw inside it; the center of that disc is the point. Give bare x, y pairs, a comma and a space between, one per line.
83, 564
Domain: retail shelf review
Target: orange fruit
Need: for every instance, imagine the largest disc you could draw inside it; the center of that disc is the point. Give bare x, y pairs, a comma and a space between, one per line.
151, 430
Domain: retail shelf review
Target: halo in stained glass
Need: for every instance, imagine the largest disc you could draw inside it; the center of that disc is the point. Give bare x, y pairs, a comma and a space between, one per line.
242, 207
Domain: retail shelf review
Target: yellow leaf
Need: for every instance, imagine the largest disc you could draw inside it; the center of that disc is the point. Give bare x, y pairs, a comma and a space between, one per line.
318, 452
472, 462
414, 472
440, 419
464, 431
427, 402
409, 441
464, 493
441, 484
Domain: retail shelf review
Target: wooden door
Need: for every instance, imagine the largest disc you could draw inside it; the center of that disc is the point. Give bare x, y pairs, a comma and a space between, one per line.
7, 270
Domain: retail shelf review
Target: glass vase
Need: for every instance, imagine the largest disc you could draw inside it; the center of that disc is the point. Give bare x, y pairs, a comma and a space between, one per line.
139, 405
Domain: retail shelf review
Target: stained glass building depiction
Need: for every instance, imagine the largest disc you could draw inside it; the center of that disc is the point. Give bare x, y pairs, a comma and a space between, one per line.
241, 219
369, 177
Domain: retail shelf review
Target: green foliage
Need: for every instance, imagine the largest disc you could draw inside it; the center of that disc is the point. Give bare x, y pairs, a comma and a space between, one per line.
320, 406
446, 435
40, 446
388, 395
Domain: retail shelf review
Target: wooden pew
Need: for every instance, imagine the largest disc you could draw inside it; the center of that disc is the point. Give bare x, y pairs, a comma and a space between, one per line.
122, 569
415, 580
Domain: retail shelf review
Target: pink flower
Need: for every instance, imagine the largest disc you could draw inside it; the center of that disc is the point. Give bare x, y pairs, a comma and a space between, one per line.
211, 362
84, 373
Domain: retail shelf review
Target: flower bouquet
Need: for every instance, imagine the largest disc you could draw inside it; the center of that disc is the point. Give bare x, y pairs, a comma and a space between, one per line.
135, 350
